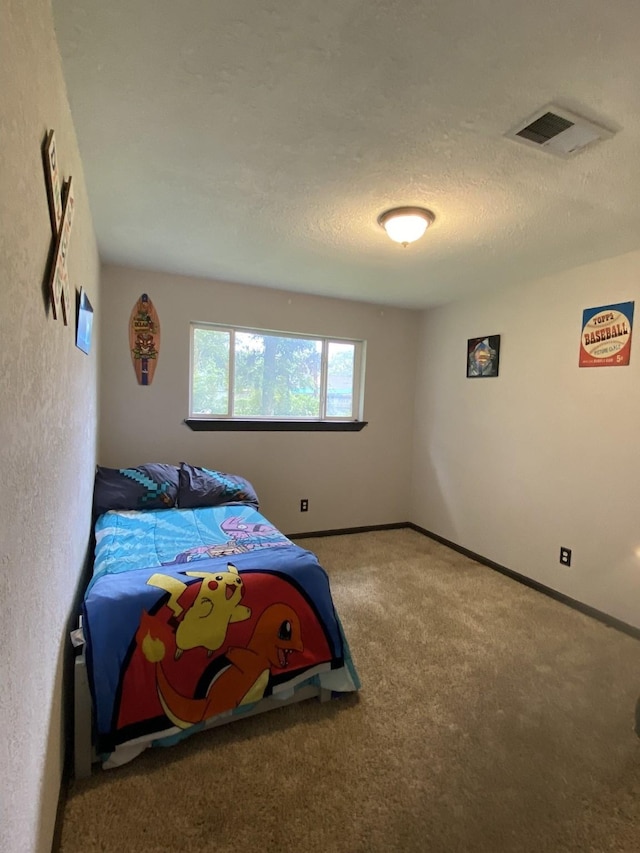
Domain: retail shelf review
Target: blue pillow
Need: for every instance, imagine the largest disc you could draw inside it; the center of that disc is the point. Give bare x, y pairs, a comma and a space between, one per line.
203, 487
150, 486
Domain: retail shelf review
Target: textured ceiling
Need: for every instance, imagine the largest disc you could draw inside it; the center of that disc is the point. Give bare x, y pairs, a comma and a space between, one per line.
258, 140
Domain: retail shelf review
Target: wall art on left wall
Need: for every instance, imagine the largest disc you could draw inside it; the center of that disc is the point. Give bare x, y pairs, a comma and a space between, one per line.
52, 174
59, 280
85, 322
61, 209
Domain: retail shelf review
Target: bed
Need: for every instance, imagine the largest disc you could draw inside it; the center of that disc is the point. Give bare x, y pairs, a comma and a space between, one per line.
199, 611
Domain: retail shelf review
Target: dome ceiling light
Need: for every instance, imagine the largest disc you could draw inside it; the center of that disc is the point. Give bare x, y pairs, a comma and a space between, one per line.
406, 224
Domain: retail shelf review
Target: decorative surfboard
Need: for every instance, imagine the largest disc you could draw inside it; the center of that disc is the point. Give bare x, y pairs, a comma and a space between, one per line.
144, 339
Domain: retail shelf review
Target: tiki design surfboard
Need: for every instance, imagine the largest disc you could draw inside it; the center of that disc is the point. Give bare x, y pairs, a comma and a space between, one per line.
144, 339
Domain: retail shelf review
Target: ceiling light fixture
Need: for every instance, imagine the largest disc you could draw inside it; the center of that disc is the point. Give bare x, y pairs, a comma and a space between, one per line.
406, 224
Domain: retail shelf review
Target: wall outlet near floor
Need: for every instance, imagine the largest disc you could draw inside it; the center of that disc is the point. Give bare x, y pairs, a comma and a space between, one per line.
565, 556
304, 505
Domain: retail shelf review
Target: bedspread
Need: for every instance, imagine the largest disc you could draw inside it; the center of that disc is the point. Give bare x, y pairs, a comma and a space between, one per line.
188, 636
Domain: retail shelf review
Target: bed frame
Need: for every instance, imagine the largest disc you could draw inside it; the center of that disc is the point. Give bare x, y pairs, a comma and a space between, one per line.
84, 752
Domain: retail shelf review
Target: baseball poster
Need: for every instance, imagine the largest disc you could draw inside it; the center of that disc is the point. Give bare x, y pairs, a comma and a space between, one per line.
606, 335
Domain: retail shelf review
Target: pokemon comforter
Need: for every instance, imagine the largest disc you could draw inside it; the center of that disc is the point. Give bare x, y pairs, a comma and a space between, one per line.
194, 613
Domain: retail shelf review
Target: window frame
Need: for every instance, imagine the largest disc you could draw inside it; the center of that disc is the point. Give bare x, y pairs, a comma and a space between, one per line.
198, 421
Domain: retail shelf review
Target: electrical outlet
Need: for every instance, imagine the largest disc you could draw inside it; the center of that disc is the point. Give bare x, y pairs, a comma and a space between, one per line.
304, 505
565, 556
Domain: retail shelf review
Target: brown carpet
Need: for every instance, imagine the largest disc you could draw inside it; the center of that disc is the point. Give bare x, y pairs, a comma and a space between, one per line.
491, 719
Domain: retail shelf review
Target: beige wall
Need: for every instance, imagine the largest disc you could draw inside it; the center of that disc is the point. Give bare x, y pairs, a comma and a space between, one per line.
48, 429
545, 455
350, 479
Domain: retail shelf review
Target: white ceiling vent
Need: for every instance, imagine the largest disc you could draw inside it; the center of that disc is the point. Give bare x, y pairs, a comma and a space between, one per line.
557, 131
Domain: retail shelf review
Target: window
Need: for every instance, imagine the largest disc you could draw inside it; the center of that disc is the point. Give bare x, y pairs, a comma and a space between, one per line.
249, 374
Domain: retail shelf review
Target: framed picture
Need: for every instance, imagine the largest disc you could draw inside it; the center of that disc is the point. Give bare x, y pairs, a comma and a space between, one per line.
85, 322
483, 356
606, 335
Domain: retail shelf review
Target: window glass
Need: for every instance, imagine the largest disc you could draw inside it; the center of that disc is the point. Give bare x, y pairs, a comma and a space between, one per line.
340, 375
253, 373
276, 377
210, 372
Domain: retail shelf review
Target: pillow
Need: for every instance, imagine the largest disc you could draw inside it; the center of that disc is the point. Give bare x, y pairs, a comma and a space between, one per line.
150, 486
203, 487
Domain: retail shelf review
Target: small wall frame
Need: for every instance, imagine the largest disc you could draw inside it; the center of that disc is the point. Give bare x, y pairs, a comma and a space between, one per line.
85, 322
483, 356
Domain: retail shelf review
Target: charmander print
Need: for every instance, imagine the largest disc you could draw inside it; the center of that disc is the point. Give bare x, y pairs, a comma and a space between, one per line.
245, 673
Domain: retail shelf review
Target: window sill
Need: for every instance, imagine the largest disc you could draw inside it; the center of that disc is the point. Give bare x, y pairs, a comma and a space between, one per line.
204, 425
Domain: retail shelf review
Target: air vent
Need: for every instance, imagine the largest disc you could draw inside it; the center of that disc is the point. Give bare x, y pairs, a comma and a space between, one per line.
558, 131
